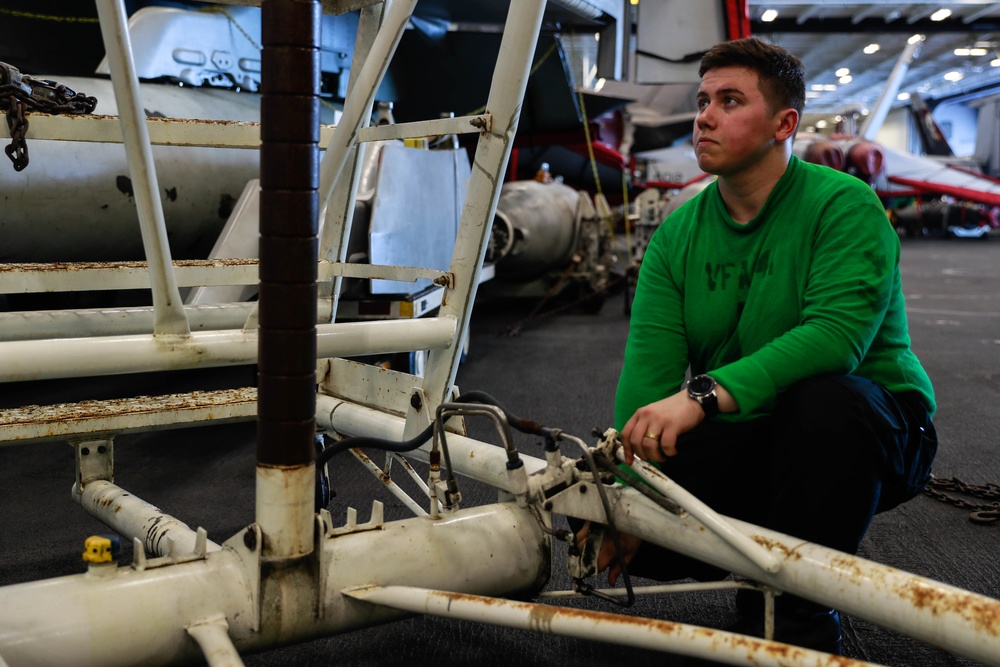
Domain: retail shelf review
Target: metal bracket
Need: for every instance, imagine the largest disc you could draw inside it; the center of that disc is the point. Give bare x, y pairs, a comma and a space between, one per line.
95, 460
247, 545
419, 414
140, 562
352, 525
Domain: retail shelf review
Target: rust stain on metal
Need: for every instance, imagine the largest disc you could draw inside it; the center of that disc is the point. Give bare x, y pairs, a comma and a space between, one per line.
139, 405
202, 121
541, 618
543, 615
848, 565
61, 267
383, 476
446, 280
983, 613
479, 599
530, 426
773, 545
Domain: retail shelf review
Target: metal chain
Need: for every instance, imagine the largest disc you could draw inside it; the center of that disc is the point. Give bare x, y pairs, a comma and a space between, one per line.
982, 513
17, 151
21, 93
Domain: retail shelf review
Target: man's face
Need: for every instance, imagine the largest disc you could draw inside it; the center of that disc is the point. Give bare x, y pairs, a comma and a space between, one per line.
734, 128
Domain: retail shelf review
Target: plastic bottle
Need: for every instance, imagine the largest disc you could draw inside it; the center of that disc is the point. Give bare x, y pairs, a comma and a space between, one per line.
544, 174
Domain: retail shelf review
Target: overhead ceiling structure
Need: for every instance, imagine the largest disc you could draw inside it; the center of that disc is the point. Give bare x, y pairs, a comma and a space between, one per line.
960, 54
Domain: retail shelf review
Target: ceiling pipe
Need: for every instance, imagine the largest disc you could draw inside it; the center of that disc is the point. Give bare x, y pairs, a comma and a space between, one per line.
981, 13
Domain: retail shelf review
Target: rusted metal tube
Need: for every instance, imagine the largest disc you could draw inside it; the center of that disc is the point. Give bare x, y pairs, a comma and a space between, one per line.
77, 620
646, 633
132, 517
956, 620
390, 485
754, 552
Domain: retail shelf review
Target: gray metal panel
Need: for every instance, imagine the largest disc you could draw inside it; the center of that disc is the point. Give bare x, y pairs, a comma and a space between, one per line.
419, 195
692, 30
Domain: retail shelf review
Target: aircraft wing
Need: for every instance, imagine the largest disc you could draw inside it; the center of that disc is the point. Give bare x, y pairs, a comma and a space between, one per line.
908, 174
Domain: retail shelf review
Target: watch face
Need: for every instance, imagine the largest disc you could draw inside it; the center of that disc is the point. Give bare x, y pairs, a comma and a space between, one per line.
700, 385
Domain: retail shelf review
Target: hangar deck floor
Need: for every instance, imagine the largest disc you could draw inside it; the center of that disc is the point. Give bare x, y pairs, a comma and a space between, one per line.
560, 371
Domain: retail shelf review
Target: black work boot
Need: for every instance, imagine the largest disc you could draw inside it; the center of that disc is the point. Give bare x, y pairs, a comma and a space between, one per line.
796, 621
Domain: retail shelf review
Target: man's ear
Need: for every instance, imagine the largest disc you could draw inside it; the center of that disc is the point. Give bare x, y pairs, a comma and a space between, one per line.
788, 122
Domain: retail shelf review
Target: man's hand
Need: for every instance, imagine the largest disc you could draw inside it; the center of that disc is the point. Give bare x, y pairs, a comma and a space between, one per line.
606, 556
651, 433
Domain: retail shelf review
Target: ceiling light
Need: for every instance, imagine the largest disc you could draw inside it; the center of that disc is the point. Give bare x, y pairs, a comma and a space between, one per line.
843, 71
769, 15
846, 79
811, 95
978, 51
902, 97
872, 48
995, 62
941, 14
962, 52
953, 76
821, 123
914, 39
829, 87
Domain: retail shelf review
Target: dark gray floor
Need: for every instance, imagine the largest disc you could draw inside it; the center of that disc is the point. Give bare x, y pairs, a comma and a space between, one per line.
560, 371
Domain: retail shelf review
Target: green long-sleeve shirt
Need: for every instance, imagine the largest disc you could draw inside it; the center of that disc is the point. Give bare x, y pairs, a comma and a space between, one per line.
809, 287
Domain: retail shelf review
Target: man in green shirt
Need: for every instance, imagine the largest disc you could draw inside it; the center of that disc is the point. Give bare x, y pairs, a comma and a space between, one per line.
778, 288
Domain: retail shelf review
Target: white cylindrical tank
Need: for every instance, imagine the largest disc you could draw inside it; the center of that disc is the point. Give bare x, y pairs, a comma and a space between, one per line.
535, 229
74, 200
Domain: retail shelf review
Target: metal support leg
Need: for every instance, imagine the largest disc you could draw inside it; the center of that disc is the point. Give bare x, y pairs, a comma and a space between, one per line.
339, 212
170, 317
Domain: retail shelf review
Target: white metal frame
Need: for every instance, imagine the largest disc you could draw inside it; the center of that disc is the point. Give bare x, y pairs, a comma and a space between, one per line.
268, 586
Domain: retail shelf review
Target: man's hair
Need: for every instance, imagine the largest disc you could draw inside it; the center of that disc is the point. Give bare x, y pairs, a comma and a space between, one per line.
782, 75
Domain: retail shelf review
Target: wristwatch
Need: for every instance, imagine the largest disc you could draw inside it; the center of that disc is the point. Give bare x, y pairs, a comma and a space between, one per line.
702, 389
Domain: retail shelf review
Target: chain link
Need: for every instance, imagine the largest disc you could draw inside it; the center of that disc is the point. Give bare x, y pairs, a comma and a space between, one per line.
20, 94
983, 513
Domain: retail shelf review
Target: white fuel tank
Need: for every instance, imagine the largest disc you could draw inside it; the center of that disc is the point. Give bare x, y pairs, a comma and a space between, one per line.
74, 200
535, 229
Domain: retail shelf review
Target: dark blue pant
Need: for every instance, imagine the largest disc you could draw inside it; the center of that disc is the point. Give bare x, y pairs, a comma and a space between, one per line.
836, 450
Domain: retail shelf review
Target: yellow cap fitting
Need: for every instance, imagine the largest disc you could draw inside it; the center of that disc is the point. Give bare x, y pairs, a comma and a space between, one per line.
97, 549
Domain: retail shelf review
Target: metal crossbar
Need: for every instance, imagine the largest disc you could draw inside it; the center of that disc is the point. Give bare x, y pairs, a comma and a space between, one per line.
73, 276
222, 133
